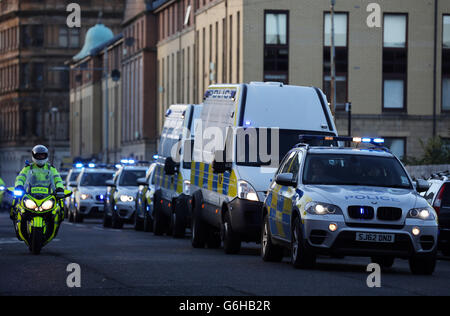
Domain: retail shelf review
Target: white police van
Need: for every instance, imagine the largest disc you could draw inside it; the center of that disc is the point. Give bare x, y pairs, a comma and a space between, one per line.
347, 201
171, 214
245, 130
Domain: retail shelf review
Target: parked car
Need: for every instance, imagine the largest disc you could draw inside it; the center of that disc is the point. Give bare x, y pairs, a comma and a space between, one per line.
438, 195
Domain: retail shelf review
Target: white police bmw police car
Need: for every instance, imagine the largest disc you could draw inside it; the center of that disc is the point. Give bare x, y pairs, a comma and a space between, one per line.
347, 201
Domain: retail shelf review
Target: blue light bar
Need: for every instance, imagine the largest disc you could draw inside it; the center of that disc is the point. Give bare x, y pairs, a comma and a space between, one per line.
118, 166
378, 140
78, 165
131, 161
366, 140
91, 165
124, 161
155, 157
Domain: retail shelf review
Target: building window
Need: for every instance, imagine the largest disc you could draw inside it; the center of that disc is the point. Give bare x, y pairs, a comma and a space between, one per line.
276, 48
395, 61
397, 146
63, 37
341, 58
33, 36
446, 64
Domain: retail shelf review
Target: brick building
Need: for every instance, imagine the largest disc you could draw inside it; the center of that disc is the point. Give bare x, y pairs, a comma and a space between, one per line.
34, 93
398, 87
127, 101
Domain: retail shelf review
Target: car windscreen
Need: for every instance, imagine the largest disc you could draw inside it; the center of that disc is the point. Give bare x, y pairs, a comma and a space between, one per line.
129, 177
251, 148
347, 169
96, 179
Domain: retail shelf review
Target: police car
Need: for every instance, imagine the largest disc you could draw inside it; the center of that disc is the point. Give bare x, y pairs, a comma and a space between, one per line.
121, 192
71, 178
438, 195
89, 192
347, 201
144, 201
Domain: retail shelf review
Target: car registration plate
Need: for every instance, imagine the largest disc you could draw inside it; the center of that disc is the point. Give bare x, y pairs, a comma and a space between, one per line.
375, 237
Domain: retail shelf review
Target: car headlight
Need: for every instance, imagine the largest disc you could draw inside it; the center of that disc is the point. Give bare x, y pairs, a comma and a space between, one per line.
85, 196
30, 204
126, 198
47, 205
186, 187
319, 208
423, 213
246, 191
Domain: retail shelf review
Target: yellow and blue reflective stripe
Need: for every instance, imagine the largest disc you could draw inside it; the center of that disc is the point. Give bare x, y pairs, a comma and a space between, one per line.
202, 176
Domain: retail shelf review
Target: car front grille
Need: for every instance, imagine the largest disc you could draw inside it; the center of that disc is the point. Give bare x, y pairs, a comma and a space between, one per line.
389, 213
360, 212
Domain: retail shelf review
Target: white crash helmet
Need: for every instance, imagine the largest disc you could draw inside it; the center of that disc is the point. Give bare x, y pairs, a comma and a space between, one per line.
40, 155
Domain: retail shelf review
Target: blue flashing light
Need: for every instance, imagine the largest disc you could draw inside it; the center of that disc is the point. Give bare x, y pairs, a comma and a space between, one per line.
131, 161
366, 140
91, 165
118, 166
124, 161
18, 193
378, 140
78, 165
102, 197
155, 157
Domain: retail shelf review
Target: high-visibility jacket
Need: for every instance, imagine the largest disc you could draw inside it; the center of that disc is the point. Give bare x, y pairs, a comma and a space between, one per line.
2, 184
44, 176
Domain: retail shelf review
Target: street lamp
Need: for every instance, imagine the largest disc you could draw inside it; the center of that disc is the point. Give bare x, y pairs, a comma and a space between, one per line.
53, 111
333, 62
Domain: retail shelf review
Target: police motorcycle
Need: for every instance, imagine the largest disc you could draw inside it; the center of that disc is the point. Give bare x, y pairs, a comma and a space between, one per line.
37, 212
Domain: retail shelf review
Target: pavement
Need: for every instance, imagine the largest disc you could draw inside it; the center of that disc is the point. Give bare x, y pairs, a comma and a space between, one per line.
127, 262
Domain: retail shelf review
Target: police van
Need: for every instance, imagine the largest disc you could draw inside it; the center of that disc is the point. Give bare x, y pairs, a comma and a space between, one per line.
348, 201
245, 130
171, 214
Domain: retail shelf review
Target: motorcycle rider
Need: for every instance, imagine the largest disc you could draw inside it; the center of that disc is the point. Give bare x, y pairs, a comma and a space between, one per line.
42, 170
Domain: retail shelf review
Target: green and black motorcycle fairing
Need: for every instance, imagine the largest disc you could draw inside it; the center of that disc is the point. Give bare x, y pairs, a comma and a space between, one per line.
37, 215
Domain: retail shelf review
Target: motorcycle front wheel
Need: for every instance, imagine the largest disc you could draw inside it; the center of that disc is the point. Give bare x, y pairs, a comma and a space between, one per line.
36, 240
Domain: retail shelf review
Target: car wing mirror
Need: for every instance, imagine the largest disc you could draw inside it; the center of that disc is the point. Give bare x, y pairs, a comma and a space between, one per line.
219, 164
110, 183
286, 179
170, 166
141, 181
422, 185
